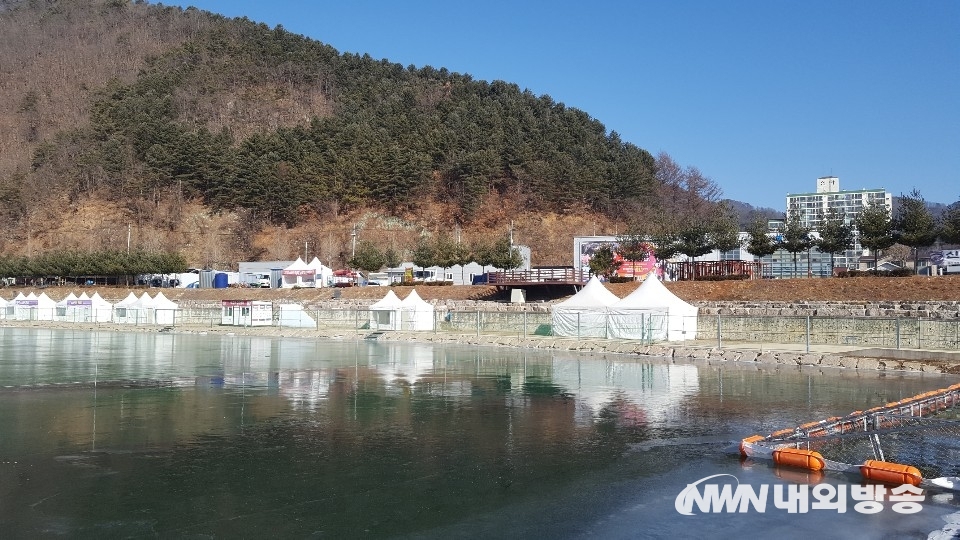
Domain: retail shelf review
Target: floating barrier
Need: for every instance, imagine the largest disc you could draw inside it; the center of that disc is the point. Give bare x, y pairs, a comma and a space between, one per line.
901, 428
890, 473
797, 457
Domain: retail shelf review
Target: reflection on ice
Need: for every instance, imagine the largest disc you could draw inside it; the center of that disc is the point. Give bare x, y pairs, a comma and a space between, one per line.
644, 391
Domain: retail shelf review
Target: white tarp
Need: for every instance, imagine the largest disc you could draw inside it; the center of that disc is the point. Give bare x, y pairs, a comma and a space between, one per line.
385, 314
585, 313
652, 312
293, 316
416, 313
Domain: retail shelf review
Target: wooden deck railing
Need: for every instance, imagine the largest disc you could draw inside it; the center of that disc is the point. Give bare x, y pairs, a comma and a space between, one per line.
539, 275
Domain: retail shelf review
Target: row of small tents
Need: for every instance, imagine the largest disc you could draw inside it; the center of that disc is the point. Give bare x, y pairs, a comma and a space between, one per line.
83, 308
651, 312
392, 313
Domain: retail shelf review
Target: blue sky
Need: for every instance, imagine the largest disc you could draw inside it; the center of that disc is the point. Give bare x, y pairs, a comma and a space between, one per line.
762, 96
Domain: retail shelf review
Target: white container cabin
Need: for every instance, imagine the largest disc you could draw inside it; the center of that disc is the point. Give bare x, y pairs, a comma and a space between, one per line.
246, 313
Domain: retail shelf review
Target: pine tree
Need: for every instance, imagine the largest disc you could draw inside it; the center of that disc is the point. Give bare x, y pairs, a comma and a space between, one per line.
914, 225
875, 229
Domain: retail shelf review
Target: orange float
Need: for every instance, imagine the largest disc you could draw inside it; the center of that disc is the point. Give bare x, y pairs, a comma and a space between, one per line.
890, 473
749, 440
796, 457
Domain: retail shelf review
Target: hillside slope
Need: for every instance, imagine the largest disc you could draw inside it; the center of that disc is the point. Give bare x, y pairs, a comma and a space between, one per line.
131, 124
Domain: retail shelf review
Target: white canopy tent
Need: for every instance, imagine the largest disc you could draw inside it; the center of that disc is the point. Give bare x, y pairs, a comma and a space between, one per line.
585, 313
143, 309
100, 309
124, 311
385, 314
67, 310
416, 313
22, 305
652, 312
4, 305
298, 274
323, 276
164, 310
46, 308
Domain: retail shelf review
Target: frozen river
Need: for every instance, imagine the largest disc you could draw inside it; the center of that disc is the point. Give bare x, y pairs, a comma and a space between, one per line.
106, 434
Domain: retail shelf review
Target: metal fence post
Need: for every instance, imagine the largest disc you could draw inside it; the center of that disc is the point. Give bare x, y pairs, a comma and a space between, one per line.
808, 333
919, 333
719, 335
898, 332
478, 323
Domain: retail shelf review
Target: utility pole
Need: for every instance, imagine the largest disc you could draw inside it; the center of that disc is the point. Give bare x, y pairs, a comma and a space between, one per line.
306, 250
353, 242
128, 237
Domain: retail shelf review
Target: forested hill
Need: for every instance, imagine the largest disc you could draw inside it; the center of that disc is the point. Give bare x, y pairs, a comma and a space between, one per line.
147, 109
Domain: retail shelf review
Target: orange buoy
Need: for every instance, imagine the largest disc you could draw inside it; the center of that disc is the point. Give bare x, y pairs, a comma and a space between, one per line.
890, 473
749, 440
795, 457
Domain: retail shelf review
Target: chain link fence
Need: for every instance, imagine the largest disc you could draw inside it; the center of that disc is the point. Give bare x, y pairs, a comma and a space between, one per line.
720, 330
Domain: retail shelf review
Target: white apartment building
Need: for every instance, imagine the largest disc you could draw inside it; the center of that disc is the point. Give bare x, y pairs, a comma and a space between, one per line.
813, 206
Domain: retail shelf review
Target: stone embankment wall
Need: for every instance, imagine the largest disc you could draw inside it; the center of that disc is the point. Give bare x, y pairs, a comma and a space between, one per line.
933, 310
922, 310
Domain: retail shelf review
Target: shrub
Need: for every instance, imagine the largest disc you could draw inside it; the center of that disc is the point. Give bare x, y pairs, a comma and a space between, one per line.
729, 277
900, 272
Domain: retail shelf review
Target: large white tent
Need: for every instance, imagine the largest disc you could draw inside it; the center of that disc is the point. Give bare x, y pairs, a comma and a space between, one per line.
416, 313
3, 308
652, 312
585, 313
385, 314
298, 274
